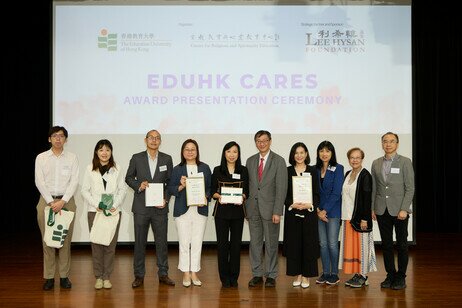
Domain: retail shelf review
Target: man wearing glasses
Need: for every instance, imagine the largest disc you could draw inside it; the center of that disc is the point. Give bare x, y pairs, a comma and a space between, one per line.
392, 193
264, 208
56, 178
150, 166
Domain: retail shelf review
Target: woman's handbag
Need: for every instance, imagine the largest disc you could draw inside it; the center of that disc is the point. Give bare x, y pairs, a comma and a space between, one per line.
104, 227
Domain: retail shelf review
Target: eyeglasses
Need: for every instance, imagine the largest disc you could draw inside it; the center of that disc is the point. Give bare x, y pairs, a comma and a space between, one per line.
153, 138
262, 141
58, 136
355, 158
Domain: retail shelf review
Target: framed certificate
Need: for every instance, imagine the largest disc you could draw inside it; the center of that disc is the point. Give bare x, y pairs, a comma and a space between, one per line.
195, 191
155, 195
231, 195
302, 189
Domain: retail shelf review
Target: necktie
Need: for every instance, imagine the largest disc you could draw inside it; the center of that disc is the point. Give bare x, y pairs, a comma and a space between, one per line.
260, 169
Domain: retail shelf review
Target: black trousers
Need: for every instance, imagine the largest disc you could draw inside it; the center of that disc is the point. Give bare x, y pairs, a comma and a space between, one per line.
386, 223
229, 239
159, 225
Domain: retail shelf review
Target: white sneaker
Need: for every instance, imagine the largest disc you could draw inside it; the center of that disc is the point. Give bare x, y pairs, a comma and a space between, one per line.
296, 283
99, 284
305, 283
107, 284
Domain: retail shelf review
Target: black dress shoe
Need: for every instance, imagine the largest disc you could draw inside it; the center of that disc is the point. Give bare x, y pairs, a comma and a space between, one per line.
398, 284
225, 283
166, 280
65, 283
138, 282
387, 283
270, 282
49, 284
255, 281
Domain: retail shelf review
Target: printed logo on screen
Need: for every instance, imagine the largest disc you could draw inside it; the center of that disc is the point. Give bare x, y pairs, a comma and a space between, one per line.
130, 42
334, 39
234, 40
107, 40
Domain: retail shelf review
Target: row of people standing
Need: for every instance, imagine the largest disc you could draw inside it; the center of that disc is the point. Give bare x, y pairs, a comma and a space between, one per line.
265, 192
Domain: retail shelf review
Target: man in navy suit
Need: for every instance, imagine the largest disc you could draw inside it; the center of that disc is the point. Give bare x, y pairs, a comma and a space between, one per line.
264, 208
392, 194
150, 166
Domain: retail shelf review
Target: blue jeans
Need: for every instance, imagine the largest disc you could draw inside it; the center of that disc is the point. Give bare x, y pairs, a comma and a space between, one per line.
328, 240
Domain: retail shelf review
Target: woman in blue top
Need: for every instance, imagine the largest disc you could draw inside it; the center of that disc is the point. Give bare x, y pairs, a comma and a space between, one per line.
330, 190
190, 221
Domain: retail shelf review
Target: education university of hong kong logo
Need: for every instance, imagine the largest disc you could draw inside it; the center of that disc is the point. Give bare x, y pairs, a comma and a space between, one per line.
107, 40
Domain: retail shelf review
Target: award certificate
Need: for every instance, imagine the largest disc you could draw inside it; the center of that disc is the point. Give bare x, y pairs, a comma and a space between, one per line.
302, 189
195, 191
155, 195
231, 195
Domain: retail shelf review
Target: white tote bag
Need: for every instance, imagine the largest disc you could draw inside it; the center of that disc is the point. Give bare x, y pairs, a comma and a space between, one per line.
104, 227
57, 226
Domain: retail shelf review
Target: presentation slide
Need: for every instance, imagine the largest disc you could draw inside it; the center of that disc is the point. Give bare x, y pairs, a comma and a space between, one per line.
217, 73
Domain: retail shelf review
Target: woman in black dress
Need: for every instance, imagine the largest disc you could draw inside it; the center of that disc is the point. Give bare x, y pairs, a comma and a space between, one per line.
301, 239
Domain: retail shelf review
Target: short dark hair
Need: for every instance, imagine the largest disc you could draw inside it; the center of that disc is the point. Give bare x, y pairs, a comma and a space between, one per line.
294, 149
390, 133
261, 133
56, 129
328, 145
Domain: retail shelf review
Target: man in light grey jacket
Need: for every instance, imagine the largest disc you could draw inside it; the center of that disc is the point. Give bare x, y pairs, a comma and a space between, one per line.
264, 208
392, 194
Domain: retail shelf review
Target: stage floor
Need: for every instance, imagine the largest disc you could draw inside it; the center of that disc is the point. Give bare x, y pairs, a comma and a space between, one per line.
434, 279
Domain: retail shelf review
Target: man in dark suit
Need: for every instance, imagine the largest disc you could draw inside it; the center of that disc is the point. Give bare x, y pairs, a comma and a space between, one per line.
392, 194
264, 208
150, 166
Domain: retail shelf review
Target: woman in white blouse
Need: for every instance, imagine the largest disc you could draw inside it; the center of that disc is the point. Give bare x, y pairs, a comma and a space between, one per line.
103, 190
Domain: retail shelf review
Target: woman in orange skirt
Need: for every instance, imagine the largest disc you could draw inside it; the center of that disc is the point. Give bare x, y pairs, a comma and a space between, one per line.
357, 253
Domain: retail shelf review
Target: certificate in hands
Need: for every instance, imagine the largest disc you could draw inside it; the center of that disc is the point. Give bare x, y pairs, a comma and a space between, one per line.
155, 195
302, 189
195, 191
231, 195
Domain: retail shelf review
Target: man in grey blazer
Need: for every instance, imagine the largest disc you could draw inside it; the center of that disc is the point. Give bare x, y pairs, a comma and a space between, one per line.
150, 166
264, 208
392, 194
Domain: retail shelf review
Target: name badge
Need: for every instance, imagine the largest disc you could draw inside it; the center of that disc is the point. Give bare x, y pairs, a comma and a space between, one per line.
162, 168
236, 176
198, 175
331, 168
394, 170
306, 174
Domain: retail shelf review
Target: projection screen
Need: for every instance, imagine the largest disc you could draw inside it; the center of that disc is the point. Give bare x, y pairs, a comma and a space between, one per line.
217, 72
